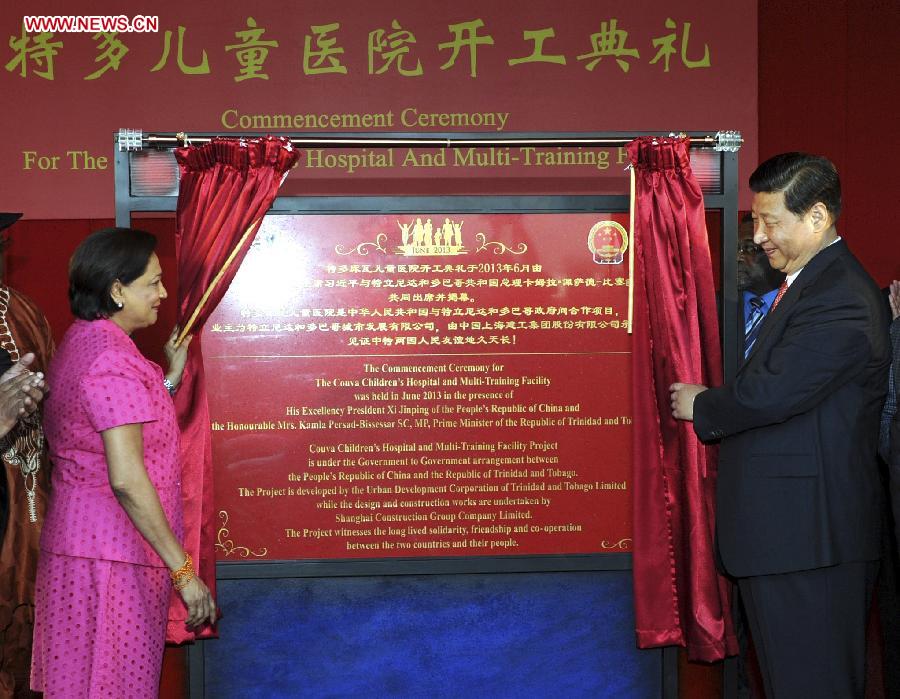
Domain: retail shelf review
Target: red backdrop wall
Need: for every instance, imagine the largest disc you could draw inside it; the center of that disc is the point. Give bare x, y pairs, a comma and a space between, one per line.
827, 72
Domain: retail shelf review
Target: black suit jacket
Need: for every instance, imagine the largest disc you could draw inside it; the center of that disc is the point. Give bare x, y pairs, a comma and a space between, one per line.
797, 480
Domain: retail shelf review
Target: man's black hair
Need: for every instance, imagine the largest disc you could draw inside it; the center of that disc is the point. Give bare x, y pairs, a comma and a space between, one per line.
805, 179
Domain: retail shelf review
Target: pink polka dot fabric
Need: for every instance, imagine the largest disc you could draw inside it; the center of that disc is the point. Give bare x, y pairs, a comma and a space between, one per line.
101, 629
102, 592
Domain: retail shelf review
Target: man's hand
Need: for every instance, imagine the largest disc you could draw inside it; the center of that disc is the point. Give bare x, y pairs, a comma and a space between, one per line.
683, 395
20, 392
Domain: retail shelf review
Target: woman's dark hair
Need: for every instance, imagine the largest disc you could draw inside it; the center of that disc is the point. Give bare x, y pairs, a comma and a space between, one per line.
101, 259
805, 179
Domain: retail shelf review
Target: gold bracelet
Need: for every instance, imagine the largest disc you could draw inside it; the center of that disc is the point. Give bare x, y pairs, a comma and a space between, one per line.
186, 571
183, 581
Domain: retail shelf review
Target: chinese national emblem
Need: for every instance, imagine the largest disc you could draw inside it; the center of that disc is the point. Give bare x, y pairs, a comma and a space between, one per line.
608, 242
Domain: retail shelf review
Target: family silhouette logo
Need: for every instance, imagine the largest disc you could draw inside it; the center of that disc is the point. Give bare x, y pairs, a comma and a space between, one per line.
423, 237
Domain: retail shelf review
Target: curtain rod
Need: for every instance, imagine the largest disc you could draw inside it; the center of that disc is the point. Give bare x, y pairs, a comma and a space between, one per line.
135, 139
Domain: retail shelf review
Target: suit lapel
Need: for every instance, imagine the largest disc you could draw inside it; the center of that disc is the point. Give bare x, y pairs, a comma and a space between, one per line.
776, 317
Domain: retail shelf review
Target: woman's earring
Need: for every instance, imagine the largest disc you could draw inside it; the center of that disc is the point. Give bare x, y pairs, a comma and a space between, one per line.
120, 304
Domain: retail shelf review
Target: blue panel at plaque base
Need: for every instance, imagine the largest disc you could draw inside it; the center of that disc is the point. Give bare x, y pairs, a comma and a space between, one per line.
554, 635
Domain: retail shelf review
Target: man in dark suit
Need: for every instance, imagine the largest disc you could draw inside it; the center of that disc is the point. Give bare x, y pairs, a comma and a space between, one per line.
798, 493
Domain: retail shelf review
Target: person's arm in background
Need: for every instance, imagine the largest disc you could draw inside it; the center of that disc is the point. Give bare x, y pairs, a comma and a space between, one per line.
894, 299
894, 475
893, 452
889, 411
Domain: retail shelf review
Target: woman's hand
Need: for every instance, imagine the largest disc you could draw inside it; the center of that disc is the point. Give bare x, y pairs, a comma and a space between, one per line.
176, 356
199, 601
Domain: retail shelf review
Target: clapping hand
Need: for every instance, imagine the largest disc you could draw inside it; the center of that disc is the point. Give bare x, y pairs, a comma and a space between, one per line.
20, 392
894, 298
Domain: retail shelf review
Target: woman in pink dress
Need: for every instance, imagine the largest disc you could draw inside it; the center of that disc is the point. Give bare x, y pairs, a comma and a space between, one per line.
110, 548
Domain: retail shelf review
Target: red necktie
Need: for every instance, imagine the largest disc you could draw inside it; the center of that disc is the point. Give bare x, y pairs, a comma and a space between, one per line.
781, 291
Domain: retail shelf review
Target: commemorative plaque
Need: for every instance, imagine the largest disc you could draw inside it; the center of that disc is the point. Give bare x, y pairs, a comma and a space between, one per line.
424, 384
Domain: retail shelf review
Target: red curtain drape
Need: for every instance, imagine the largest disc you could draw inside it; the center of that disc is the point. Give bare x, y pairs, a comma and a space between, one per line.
680, 599
226, 187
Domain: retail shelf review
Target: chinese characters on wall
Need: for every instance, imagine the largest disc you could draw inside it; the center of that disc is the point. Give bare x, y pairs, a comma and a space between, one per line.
393, 49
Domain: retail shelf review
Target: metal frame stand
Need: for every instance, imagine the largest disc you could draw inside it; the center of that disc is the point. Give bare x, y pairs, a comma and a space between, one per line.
726, 200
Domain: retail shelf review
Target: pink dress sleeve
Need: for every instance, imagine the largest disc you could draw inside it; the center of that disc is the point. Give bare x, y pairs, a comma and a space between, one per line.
115, 392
